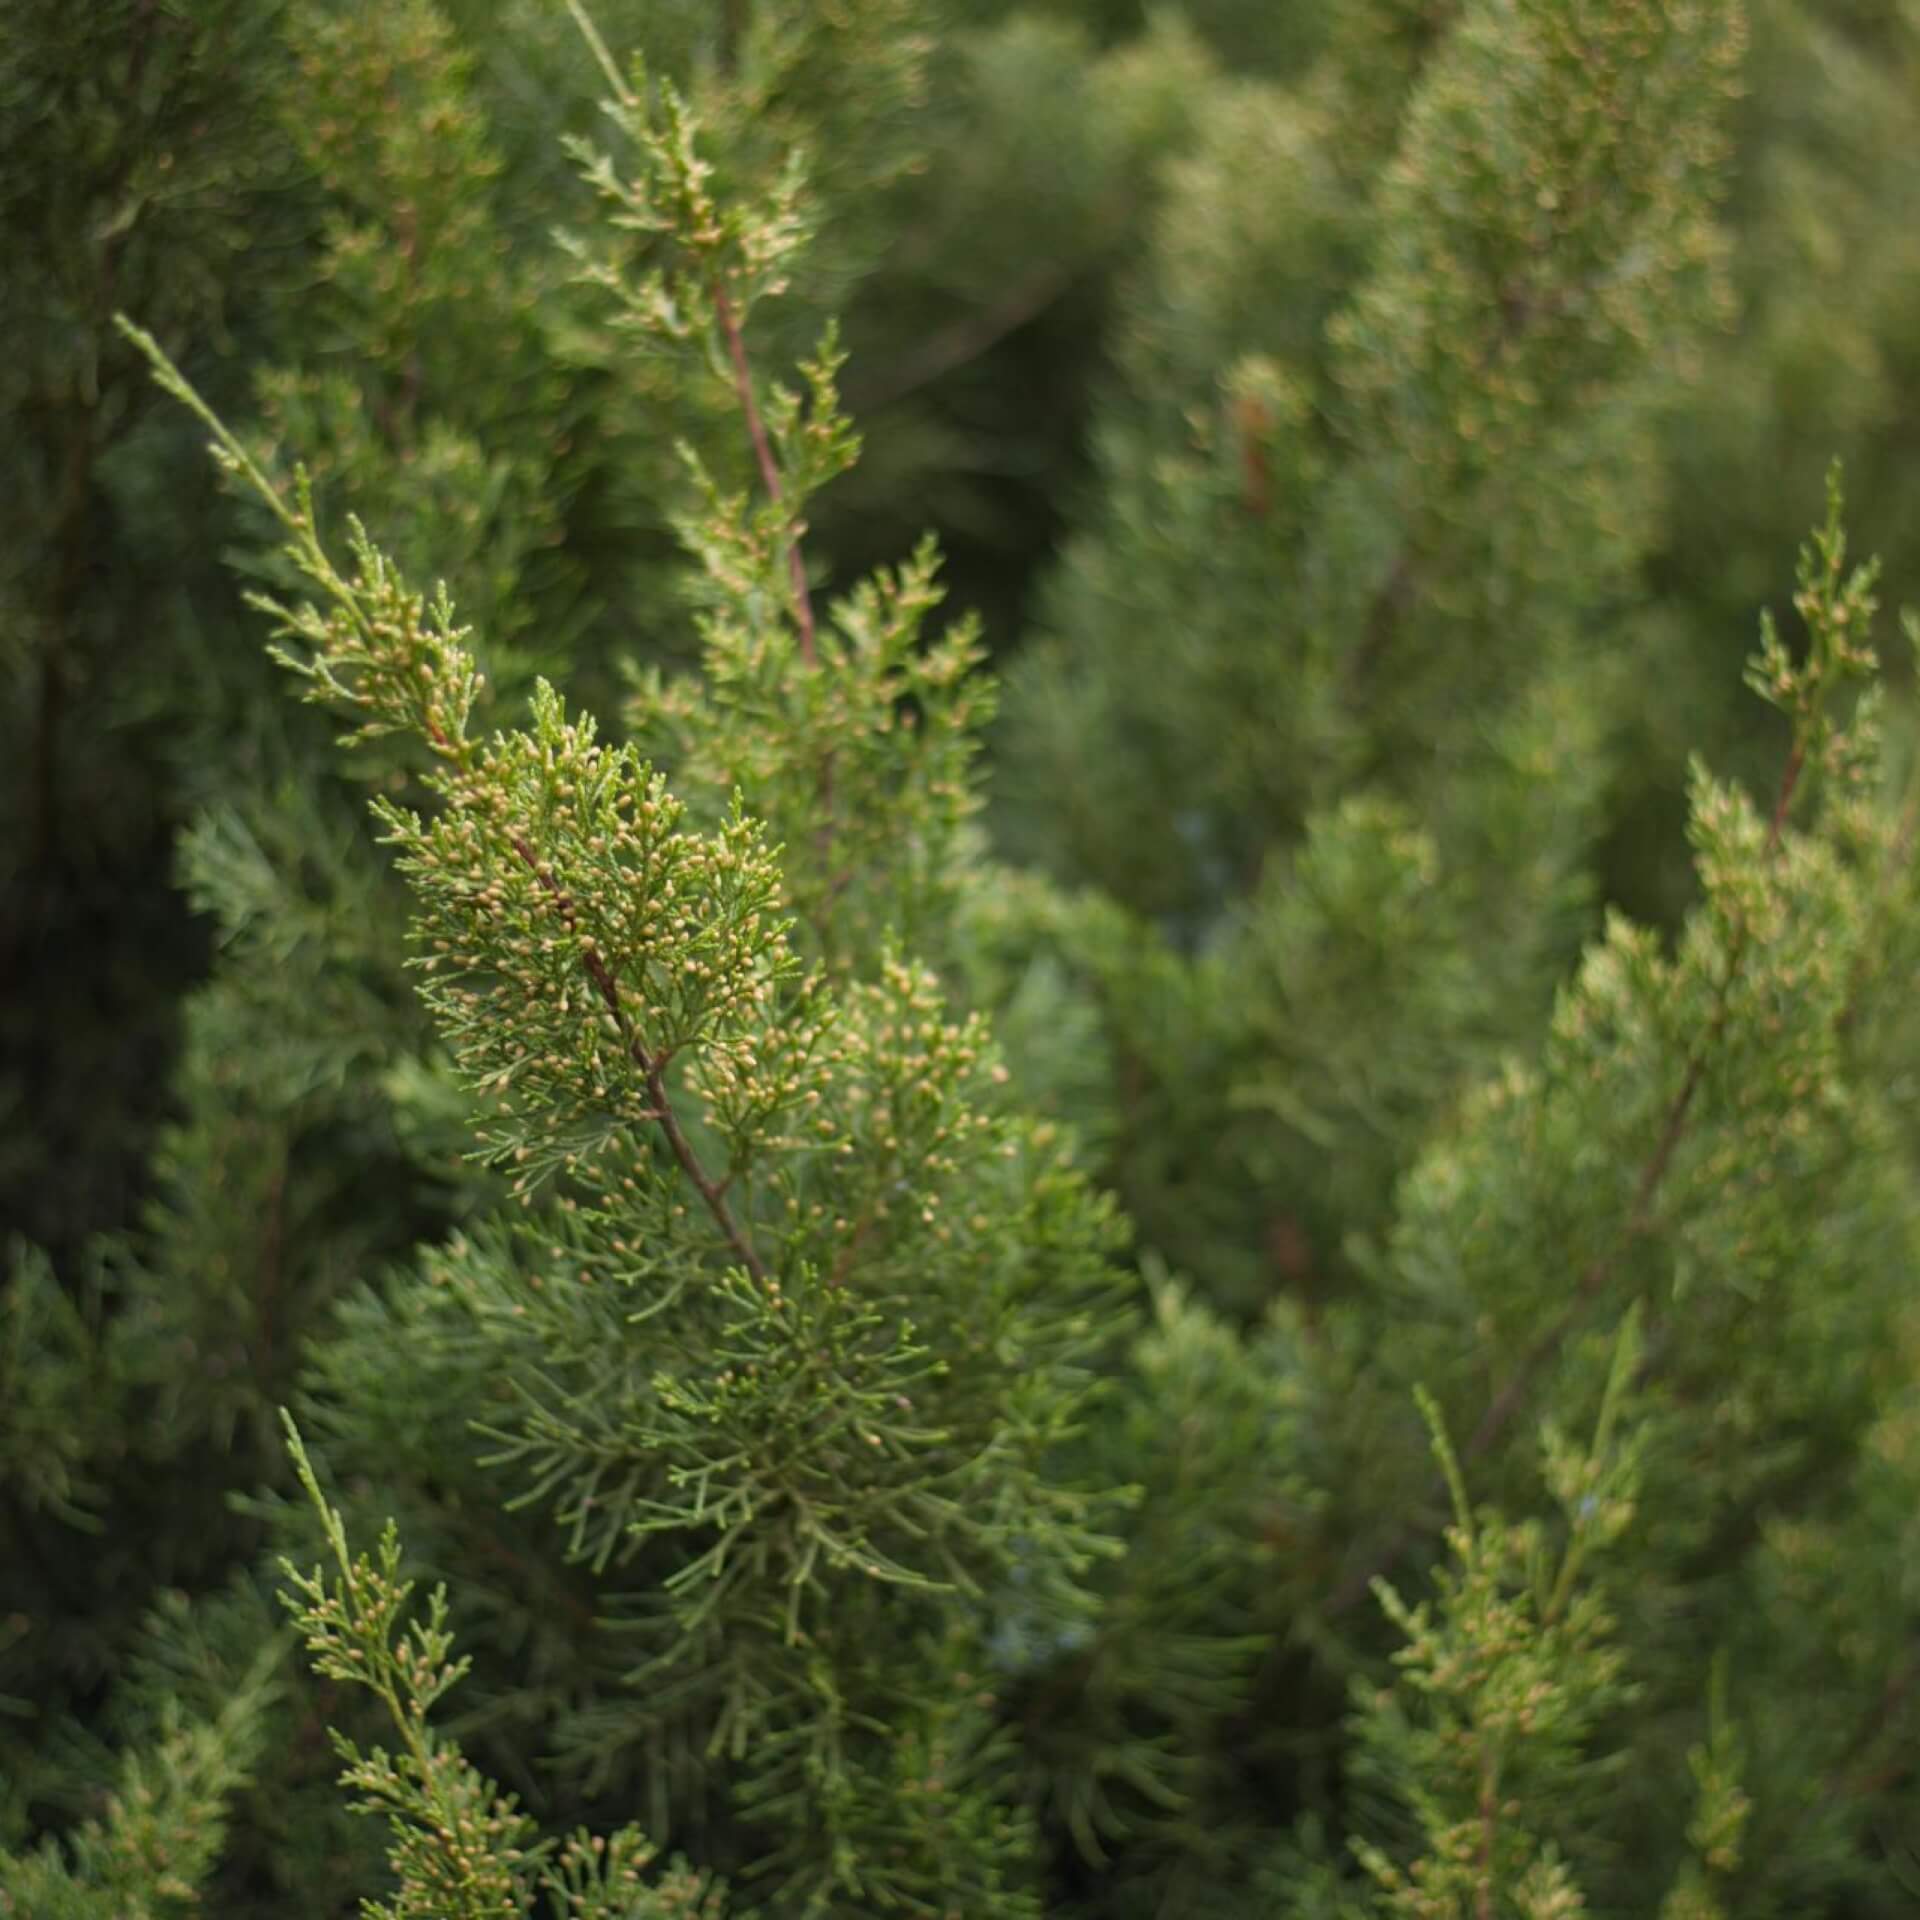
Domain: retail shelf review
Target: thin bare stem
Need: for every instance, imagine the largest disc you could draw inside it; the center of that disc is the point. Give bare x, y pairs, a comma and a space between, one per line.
731, 332
1784, 802
591, 35
769, 470
710, 1191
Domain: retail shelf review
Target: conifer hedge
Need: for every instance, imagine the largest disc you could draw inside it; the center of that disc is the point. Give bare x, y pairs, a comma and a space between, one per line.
721, 1241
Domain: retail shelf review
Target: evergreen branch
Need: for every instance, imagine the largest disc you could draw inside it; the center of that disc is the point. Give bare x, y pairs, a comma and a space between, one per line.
1842, 1779
1897, 860
156, 1840
461, 1850
727, 254
1509, 1662
730, 330
1399, 590
1837, 609
227, 450
413, 674
653, 1070
733, 250
1519, 1385
1592, 1283
1829, 607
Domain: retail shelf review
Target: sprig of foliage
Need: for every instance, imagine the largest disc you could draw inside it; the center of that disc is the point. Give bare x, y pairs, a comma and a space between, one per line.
858, 764
148, 1855
802, 1311
461, 1849
1504, 1678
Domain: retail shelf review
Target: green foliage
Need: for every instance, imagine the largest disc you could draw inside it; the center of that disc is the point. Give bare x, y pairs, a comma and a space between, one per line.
460, 1850
1374, 476
735, 1141
141, 171
148, 1853
49, 1362
1449, 446
655, 1166
1124, 1717
1506, 1680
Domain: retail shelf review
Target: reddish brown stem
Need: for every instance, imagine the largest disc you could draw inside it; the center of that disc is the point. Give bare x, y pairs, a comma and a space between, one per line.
1790, 779
730, 330
653, 1067
769, 471
709, 1189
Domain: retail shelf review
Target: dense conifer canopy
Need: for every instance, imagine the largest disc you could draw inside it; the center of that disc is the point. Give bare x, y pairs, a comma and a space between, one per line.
1026, 1088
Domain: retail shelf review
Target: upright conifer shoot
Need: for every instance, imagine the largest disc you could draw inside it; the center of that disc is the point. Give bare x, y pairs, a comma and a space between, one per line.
804, 1311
